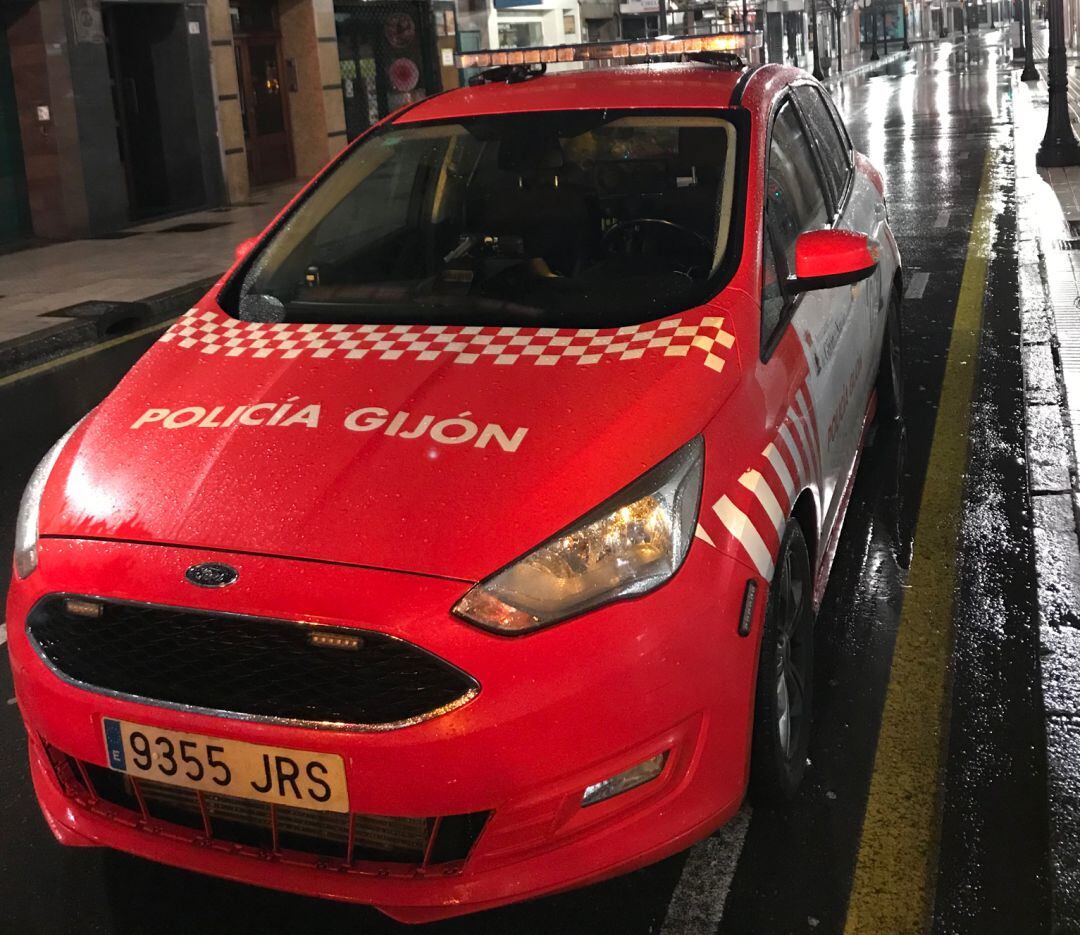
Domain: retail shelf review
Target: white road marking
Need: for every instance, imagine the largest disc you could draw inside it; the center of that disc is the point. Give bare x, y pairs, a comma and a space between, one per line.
759, 487
697, 905
942, 219
917, 286
745, 532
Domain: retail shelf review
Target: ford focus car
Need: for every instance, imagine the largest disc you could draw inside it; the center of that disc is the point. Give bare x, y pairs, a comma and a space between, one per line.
463, 544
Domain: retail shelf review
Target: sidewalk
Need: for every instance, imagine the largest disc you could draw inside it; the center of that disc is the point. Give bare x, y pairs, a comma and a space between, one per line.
47, 294
1048, 245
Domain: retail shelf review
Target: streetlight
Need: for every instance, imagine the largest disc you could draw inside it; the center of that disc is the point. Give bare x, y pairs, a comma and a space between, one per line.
818, 73
903, 11
1059, 146
1029, 73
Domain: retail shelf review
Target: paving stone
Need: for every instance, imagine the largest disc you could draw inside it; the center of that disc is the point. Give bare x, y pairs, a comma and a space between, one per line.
1057, 558
1040, 378
1048, 451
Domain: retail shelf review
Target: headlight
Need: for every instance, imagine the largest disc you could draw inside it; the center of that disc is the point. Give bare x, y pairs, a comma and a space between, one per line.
630, 544
26, 522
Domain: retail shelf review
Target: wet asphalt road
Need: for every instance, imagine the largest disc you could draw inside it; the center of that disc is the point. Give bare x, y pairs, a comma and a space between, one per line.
929, 121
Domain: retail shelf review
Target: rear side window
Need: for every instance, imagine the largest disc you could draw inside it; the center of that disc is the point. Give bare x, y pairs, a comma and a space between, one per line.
795, 199
832, 144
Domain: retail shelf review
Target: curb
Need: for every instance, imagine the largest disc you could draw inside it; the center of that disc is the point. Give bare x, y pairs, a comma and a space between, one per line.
90, 323
837, 77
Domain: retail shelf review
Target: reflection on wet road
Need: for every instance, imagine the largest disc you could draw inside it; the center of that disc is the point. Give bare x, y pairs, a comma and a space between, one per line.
877, 841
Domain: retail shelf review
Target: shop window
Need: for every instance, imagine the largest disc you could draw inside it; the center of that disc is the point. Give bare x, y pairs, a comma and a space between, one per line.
520, 35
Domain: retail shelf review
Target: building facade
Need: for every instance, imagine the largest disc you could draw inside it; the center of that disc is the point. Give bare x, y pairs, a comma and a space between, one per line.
114, 111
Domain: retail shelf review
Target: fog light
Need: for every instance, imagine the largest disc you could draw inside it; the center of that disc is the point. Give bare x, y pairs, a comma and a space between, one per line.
79, 608
625, 781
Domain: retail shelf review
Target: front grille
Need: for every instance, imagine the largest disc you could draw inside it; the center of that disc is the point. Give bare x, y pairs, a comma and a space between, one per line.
244, 666
377, 844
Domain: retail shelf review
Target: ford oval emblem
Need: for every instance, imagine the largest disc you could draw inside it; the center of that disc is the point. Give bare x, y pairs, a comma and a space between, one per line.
211, 575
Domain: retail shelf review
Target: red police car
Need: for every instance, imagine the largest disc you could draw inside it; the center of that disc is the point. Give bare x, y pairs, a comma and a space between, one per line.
463, 544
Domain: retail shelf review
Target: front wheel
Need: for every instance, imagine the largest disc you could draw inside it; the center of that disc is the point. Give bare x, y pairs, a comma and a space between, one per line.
784, 694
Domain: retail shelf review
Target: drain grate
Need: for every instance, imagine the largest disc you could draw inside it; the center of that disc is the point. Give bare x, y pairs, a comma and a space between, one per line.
192, 227
116, 235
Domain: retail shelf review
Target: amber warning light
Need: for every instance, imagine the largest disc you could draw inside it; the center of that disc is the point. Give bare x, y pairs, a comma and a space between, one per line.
605, 51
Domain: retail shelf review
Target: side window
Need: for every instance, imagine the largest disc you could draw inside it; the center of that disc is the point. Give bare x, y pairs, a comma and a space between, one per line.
832, 146
794, 197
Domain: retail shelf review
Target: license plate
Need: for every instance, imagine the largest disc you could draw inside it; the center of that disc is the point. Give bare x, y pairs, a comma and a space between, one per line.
228, 767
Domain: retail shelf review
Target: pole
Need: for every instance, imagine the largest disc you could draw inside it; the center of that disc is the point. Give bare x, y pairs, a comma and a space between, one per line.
1059, 146
873, 37
839, 44
662, 10
903, 9
1029, 73
745, 17
817, 72
884, 33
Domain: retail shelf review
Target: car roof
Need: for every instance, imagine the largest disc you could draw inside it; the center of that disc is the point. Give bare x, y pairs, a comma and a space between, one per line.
661, 85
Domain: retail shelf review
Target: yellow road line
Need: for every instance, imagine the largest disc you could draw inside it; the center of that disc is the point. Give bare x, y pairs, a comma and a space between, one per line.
893, 890
85, 352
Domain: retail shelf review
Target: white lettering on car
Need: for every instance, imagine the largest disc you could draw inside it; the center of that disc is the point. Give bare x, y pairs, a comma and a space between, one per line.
456, 430
452, 430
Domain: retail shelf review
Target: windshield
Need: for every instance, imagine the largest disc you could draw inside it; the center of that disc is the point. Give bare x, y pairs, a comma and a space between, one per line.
575, 219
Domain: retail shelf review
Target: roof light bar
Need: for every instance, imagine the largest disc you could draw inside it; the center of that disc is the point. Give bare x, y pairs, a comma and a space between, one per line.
605, 51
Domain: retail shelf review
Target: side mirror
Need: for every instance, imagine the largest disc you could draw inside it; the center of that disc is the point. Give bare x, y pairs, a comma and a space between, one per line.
825, 259
244, 248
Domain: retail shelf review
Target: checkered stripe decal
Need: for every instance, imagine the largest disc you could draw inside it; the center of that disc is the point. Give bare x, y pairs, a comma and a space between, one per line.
214, 333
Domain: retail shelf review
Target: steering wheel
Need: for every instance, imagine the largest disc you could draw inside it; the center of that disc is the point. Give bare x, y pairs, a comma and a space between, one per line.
631, 229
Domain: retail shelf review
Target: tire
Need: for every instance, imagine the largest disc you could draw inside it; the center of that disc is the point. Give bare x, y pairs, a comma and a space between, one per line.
783, 704
890, 379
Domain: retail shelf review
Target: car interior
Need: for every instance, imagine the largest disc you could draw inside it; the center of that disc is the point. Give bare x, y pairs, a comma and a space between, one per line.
528, 219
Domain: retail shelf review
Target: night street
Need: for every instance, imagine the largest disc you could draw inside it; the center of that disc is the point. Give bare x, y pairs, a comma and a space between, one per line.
925, 804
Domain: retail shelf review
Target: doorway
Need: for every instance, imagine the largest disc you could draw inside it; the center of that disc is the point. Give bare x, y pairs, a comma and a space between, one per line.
146, 45
14, 210
263, 104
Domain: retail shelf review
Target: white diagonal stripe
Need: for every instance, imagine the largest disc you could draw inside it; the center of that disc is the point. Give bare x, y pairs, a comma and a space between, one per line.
811, 429
759, 487
793, 418
804, 408
793, 450
703, 535
742, 530
778, 465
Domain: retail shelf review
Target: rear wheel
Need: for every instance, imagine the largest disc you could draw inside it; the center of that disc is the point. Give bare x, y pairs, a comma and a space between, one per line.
890, 380
784, 694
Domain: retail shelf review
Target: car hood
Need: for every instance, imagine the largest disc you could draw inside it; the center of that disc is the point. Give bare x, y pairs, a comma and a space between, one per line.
440, 451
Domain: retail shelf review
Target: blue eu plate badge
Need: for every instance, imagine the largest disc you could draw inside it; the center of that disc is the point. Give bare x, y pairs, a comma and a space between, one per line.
114, 744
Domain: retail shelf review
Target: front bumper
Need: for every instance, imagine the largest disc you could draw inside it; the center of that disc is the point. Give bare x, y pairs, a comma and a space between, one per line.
557, 711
